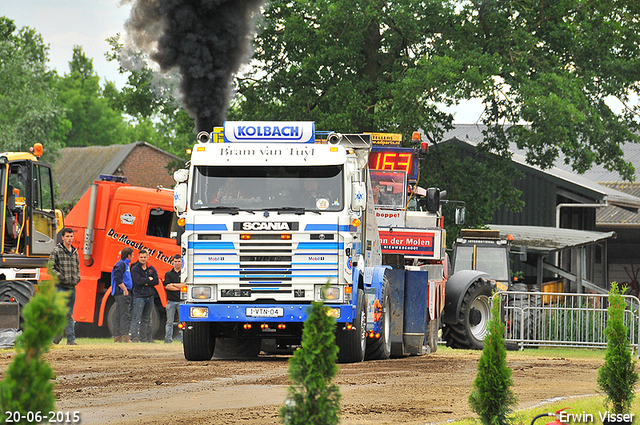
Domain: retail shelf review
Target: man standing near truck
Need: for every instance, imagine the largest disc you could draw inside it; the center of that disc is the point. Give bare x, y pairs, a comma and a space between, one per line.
172, 286
66, 266
144, 277
121, 287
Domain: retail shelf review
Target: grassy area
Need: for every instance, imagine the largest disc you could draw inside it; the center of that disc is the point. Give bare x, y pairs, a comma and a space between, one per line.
569, 353
579, 406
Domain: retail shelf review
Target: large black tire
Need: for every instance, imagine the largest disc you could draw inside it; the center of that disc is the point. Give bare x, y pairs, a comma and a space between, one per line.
155, 320
521, 316
198, 341
353, 343
475, 312
380, 348
237, 348
20, 290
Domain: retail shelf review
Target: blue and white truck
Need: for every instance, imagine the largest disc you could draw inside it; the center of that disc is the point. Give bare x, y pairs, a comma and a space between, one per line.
273, 211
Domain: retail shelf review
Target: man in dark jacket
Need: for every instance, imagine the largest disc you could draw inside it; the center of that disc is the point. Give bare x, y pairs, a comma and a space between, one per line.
144, 278
121, 288
66, 266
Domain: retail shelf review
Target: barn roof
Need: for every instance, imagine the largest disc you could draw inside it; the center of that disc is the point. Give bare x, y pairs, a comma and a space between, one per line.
76, 168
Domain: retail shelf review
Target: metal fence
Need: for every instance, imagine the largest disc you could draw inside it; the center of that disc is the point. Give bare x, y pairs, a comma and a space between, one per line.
564, 320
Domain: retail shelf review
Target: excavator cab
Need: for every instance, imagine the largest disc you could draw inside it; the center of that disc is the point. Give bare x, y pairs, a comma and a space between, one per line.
28, 216
27, 229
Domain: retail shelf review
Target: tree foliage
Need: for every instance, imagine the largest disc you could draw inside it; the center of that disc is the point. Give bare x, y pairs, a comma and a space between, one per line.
312, 398
93, 120
27, 385
492, 396
29, 109
151, 99
390, 65
617, 377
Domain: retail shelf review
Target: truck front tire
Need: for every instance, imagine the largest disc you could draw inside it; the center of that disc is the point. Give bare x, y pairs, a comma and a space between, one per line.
380, 348
198, 341
353, 342
475, 312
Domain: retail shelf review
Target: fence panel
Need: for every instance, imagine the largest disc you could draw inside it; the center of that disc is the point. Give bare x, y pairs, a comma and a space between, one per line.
563, 320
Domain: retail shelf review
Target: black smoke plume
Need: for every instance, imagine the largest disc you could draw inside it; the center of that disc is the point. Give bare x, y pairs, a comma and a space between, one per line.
206, 40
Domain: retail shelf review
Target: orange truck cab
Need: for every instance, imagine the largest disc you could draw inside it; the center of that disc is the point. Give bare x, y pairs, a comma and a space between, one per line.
123, 216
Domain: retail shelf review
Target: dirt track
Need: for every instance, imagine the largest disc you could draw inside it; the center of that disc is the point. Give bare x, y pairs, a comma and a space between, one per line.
154, 384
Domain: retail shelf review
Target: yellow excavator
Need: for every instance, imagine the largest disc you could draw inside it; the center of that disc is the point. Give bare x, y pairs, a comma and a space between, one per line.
29, 227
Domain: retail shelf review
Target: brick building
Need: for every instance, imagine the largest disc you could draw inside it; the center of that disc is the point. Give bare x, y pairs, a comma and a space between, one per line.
141, 163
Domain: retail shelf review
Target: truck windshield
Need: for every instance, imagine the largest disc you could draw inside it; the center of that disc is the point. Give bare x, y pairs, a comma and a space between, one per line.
312, 188
492, 260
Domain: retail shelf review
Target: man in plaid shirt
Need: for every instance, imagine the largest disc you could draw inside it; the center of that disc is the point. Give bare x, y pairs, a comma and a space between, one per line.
66, 265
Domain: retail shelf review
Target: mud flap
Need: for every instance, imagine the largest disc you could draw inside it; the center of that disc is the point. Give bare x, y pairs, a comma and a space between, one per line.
409, 311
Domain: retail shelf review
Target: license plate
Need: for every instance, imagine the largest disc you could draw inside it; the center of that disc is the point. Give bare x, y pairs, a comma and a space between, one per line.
265, 312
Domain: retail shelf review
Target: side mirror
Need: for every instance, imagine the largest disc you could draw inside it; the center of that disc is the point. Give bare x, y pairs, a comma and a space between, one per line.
433, 200
460, 213
180, 198
358, 196
181, 176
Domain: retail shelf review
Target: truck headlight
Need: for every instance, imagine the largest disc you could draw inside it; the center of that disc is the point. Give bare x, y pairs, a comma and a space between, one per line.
199, 312
332, 293
201, 292
333, 312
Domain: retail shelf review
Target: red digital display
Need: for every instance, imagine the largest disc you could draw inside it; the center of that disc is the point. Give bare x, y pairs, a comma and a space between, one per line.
392, 160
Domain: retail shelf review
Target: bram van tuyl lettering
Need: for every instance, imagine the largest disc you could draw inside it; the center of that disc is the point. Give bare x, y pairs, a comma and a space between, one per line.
266, 151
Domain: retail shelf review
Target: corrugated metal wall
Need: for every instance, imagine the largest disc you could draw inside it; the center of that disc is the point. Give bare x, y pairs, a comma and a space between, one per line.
539, 196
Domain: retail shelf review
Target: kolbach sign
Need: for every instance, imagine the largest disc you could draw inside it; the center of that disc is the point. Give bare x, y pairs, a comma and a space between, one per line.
411, 244
269, 131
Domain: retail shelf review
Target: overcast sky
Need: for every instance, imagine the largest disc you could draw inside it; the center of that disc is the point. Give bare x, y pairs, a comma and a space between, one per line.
65, 23
88, 23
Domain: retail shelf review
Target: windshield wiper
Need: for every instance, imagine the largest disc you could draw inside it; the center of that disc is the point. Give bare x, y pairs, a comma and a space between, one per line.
230, 210
225, 210
292, 210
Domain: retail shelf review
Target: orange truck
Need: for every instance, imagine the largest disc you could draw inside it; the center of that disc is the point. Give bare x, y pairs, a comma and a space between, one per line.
110, 216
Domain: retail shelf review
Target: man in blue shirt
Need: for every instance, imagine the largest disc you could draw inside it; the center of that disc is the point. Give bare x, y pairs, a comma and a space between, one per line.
121, 289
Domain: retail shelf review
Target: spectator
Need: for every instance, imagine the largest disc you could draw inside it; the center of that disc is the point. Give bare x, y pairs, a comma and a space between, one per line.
66, 265
144, 277
121, 287
172, 286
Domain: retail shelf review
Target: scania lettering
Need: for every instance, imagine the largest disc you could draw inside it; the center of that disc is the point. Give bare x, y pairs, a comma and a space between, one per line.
273, 223
265, 226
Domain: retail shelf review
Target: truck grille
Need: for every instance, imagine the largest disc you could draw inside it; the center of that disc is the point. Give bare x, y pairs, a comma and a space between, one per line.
265, 263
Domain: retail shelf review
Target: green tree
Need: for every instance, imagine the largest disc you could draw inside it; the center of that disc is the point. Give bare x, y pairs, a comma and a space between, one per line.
313, 399
29, 109
27, 385
93, 120
492, 396
388, 65
617, 377
149, 98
